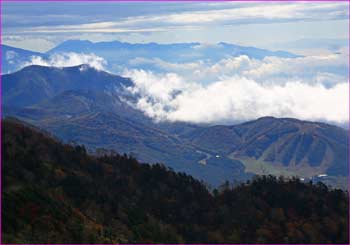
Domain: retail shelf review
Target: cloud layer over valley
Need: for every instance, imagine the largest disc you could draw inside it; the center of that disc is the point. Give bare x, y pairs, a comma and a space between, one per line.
228, 89
68, 59
241, 88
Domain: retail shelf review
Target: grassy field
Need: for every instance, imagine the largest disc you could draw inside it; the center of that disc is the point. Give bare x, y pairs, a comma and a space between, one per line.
257, 166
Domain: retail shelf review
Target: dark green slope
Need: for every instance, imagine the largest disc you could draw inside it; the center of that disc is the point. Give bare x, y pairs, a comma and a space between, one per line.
98, 129
89, 107
290, 146
74, 103
56, 193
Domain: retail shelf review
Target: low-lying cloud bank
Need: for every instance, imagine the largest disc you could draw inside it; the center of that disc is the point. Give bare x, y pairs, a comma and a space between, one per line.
169, 97
328, 69
68, 59
240, 88
232, 89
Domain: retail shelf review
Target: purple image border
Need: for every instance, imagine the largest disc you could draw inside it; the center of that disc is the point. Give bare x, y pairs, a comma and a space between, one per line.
189, 1
286, 1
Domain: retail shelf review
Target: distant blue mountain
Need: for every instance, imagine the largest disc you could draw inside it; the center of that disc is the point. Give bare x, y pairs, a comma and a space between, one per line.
119, 54
34, 83
316, 43
171, 52
14, 58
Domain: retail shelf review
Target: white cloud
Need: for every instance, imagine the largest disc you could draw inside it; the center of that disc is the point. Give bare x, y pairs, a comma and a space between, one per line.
11, 56
156, 92
327, 69
69, 59
234, 88
241, 88
234, 14
242, 99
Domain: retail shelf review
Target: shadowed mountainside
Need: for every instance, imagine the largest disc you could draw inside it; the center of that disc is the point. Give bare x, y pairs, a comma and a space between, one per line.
280, 142
56, 193
81, 104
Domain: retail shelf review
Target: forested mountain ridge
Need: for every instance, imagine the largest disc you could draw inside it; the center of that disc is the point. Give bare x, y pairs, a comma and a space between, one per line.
34, 84
267, 144
57, 193
91, 107
84, 105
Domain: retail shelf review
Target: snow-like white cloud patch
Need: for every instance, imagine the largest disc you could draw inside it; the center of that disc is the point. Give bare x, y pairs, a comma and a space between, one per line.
241, 88
69, 59
10, 55
330, 68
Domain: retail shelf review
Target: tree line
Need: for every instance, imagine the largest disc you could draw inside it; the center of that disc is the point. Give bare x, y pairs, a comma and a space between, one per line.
58, 193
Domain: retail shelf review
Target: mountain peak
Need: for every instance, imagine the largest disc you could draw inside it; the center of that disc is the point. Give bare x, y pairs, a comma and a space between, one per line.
35, 83
267, 118
76, 41
72, 44
116, 50
38, 68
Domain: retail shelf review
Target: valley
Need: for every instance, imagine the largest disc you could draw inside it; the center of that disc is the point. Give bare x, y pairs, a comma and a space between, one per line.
54, 193
82, 105
174, 122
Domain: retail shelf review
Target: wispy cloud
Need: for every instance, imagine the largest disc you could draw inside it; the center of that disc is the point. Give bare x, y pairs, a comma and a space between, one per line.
246, 23
242, 88
231, 15
236, 98
268, 70
68, 59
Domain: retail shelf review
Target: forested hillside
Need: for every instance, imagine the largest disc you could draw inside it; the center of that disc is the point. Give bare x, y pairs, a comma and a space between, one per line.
92, 107
57, 193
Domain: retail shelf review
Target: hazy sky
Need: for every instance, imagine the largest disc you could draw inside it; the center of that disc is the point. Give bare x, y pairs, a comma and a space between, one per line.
42, 25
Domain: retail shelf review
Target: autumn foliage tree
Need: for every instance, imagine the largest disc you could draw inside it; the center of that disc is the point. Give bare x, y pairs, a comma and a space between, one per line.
57, 193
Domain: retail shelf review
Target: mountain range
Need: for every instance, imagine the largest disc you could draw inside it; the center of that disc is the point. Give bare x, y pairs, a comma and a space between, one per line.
13, 58
120, 54
86, 106
116, 51
54, 193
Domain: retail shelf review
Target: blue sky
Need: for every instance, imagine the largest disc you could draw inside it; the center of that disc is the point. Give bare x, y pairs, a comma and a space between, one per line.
42, 25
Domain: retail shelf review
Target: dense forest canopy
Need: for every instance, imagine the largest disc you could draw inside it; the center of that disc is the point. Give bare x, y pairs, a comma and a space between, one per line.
57, 193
